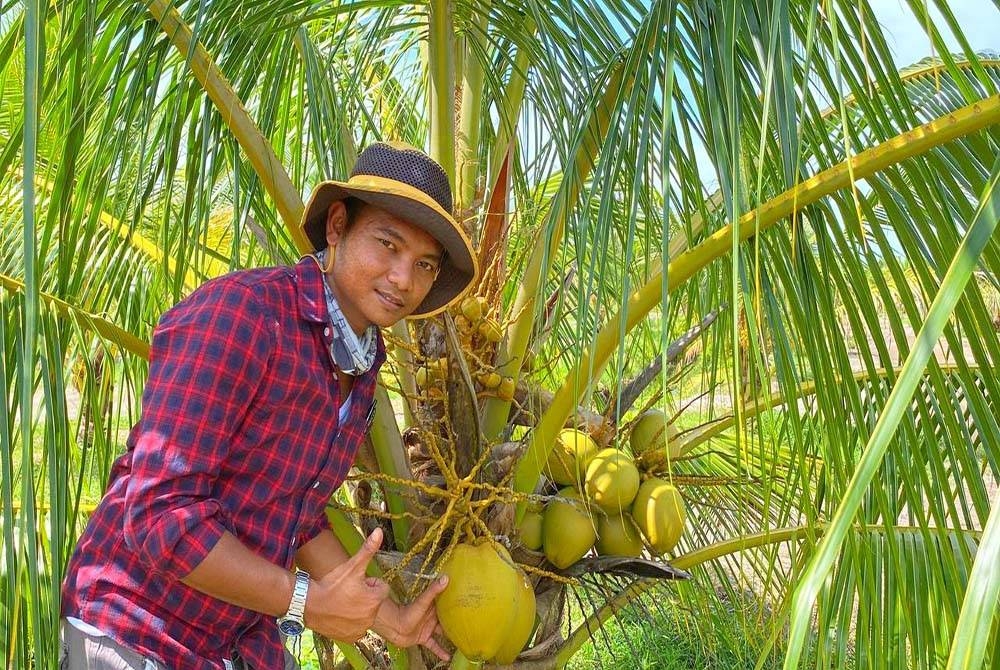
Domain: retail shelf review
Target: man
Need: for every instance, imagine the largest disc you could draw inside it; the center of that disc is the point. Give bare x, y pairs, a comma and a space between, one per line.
211, 541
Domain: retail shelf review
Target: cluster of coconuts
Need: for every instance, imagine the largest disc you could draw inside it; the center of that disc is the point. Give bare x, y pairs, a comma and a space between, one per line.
603, 501
479, 333
488, 609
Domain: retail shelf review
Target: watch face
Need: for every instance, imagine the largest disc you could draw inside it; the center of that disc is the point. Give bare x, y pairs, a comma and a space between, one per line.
290, 627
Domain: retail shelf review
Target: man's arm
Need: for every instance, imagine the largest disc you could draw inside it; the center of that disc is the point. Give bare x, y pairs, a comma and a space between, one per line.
342, 602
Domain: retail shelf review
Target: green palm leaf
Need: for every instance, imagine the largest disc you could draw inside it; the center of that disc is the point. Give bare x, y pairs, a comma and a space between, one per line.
168, 142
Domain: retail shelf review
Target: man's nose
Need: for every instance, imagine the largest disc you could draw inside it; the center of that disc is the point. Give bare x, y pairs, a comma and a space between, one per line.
401, 274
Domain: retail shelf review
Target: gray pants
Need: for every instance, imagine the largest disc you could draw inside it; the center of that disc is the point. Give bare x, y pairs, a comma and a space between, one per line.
87, 652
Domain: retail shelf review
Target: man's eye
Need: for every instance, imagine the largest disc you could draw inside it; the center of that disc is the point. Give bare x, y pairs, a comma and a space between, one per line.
427, 266
384, 242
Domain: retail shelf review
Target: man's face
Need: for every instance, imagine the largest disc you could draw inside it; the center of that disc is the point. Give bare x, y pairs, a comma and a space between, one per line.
383, 268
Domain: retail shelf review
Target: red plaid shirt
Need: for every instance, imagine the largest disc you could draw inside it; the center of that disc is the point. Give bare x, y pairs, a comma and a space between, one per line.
239, 432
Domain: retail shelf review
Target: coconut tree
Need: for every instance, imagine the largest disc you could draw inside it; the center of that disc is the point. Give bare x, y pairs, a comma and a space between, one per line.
739, 214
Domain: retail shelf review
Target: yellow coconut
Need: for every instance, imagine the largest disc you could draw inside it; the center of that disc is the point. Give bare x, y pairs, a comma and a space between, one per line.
505, 389
479, 605
530, 530
423, 377
490, 379
612, 480
567, 530
617, 535
524, 622
472, 309
463, 325
570, 456
659, 512
653, 432
490, 330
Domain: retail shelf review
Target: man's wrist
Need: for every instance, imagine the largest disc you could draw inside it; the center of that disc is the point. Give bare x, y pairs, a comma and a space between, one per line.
292, 623
387, 619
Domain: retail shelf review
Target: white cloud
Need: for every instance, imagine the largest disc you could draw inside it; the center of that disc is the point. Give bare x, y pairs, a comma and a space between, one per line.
979, 20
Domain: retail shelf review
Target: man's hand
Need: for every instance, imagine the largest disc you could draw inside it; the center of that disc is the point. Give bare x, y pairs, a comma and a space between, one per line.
343, 603
416, 623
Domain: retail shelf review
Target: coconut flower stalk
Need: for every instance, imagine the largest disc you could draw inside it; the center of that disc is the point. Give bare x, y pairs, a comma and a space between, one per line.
518, 335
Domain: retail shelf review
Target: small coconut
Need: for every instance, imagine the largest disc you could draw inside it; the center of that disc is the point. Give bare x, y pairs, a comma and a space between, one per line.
463, 325
612, 480
659, 512
490, 379
423, 377
570, 457
472, 309
652, 432
617, 535
505, 389
568, 532
490, 330
530, 530
479, 605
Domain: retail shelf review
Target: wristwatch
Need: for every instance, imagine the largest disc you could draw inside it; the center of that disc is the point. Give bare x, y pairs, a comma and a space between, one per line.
292, 625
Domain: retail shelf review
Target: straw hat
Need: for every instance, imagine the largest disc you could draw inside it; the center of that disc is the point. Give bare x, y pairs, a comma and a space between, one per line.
407, 183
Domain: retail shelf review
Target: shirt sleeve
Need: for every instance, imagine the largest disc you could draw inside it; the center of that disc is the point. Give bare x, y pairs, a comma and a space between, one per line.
208, 357
309, 531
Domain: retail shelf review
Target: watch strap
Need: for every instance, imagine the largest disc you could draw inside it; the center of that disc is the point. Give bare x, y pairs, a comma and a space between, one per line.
297, 606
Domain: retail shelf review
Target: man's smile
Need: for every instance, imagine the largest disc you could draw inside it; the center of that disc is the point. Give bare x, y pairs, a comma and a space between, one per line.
390, 298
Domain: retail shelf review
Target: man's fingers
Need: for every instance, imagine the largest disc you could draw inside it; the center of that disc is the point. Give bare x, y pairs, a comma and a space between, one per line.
424, 600
437, 649
359, 561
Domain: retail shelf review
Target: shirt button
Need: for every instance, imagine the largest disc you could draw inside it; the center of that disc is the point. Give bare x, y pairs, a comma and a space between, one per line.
315, 485
326, 331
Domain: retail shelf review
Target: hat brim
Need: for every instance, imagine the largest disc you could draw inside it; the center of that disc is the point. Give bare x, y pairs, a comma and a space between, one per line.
459, 269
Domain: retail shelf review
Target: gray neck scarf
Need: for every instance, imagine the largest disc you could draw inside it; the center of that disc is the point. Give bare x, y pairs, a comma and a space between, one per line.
351, 354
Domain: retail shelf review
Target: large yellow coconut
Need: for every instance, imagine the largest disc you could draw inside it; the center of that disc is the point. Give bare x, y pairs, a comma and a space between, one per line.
479, 605
524, 622
570, 456
658, 510
530, 529
652, 432
612, 480
617, 535
567, 530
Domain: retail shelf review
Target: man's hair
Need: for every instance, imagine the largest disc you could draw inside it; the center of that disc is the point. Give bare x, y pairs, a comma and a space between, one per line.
353, 207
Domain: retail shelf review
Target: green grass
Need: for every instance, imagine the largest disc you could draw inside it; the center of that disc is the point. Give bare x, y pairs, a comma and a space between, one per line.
728, 636
672, 638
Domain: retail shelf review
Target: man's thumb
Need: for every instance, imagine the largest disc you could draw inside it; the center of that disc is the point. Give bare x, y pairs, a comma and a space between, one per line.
369, 548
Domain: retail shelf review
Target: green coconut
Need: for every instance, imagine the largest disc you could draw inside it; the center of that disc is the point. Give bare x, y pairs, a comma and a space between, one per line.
567, 530
617, 535
612, 480
524, 622
479, 605
530, 530
659, 512
653, 432
570, 456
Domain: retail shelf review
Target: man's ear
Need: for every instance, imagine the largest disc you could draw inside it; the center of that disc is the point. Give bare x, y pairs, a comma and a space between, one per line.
336, 222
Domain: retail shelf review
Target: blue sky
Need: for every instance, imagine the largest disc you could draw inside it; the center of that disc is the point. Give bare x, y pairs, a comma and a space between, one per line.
979, 20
